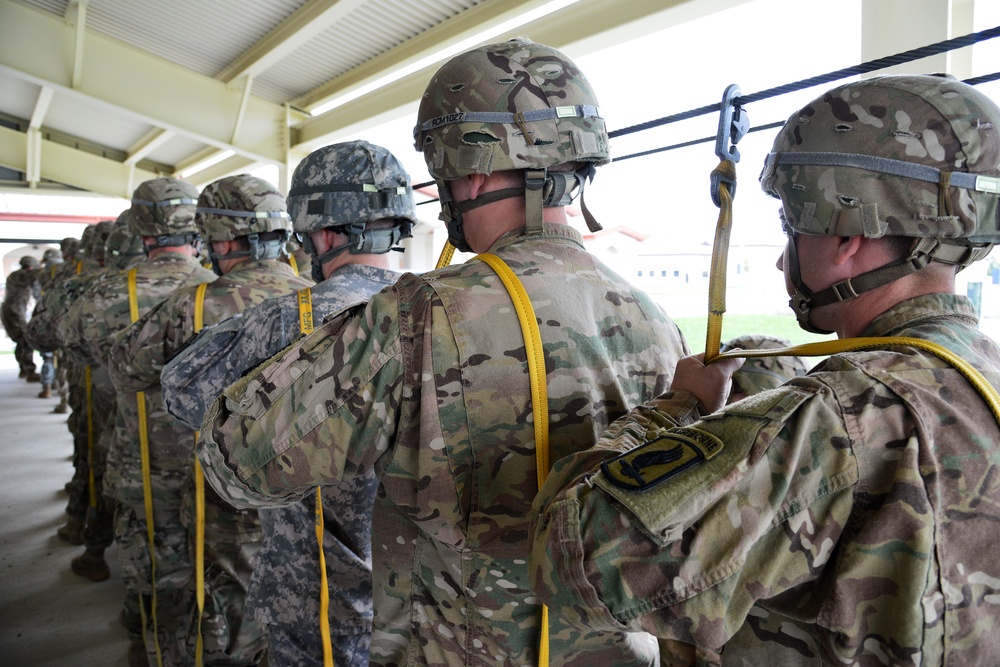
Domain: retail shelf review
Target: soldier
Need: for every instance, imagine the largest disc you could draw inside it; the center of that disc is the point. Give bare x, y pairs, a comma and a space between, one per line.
244, 221
22, 287
123, 249
350, 204
69, 247
426, 384
91, 391
847, 517
51, 259
162, 213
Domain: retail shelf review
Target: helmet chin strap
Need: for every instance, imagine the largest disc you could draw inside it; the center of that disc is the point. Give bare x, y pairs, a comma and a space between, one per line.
360, 241
922, 252
801, 302
542, 189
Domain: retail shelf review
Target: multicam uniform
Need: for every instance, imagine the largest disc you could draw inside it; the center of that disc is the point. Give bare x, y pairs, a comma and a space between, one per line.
844, 518
107, 312
284, 589
48, 331
427, 386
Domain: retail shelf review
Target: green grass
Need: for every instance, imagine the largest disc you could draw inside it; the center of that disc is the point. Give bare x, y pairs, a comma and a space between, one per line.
782, 326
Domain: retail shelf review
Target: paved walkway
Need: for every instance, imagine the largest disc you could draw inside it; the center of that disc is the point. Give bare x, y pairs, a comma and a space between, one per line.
49, 617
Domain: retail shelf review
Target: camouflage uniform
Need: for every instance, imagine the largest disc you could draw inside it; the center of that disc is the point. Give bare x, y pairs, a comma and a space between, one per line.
845, 519
427, 387
232, 537
106, 311
355, 199
22, 287
92, 418
284, 590
122, 251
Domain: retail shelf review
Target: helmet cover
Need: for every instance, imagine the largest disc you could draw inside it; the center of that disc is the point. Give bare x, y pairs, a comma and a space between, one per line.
164, 207
123, 247
512, 105
350, 183
759, 374
936, 172
240, 206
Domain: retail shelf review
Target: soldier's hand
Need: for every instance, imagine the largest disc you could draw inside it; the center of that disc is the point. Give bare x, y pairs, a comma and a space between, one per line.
709, 383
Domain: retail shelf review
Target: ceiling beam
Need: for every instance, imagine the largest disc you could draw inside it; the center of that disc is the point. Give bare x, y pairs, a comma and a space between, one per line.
307, 22
147, 144
587, 26
70, 166
452, 33
39, 48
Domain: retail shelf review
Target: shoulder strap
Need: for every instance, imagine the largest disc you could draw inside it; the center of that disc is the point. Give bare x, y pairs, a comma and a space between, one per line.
147, 486
539, 394
304, 299
305, 311
199, 501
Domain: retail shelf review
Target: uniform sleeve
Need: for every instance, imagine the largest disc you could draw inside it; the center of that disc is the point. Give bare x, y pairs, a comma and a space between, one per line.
679, 531
139, 351
216, 358
322, 410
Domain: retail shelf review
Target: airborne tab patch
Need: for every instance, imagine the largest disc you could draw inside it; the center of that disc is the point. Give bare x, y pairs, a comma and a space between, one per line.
649, 464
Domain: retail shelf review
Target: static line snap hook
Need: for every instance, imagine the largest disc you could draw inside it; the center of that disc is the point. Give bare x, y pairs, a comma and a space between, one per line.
733, 125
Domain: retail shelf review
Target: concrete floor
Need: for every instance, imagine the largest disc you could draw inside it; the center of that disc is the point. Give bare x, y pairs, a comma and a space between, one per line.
48, 615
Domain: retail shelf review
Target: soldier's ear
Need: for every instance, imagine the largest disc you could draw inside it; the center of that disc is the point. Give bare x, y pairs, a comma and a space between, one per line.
848, 248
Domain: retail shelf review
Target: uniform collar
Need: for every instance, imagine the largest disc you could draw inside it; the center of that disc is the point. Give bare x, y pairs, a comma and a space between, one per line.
912, 312
550, 231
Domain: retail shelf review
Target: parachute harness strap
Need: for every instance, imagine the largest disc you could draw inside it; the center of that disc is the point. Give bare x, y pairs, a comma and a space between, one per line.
981, 384
447, 252
91, 482
539, 395
147, 485
199, 501
304, 300
733, 125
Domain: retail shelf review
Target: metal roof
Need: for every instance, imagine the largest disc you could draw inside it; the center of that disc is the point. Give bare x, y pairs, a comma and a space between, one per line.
100, 95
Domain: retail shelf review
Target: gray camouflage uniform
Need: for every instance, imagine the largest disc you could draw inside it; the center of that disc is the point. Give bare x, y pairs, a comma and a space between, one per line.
284, 589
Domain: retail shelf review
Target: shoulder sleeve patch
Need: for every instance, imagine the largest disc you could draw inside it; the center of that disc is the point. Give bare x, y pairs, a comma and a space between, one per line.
646, 466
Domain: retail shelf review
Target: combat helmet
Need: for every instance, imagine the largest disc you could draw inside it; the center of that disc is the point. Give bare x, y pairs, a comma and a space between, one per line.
513, 105
248, 207
347, 187
896, 155
69, 247
123, 247
164, 208
86, 247
29, 262
759, 374
101, 232
52, 256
